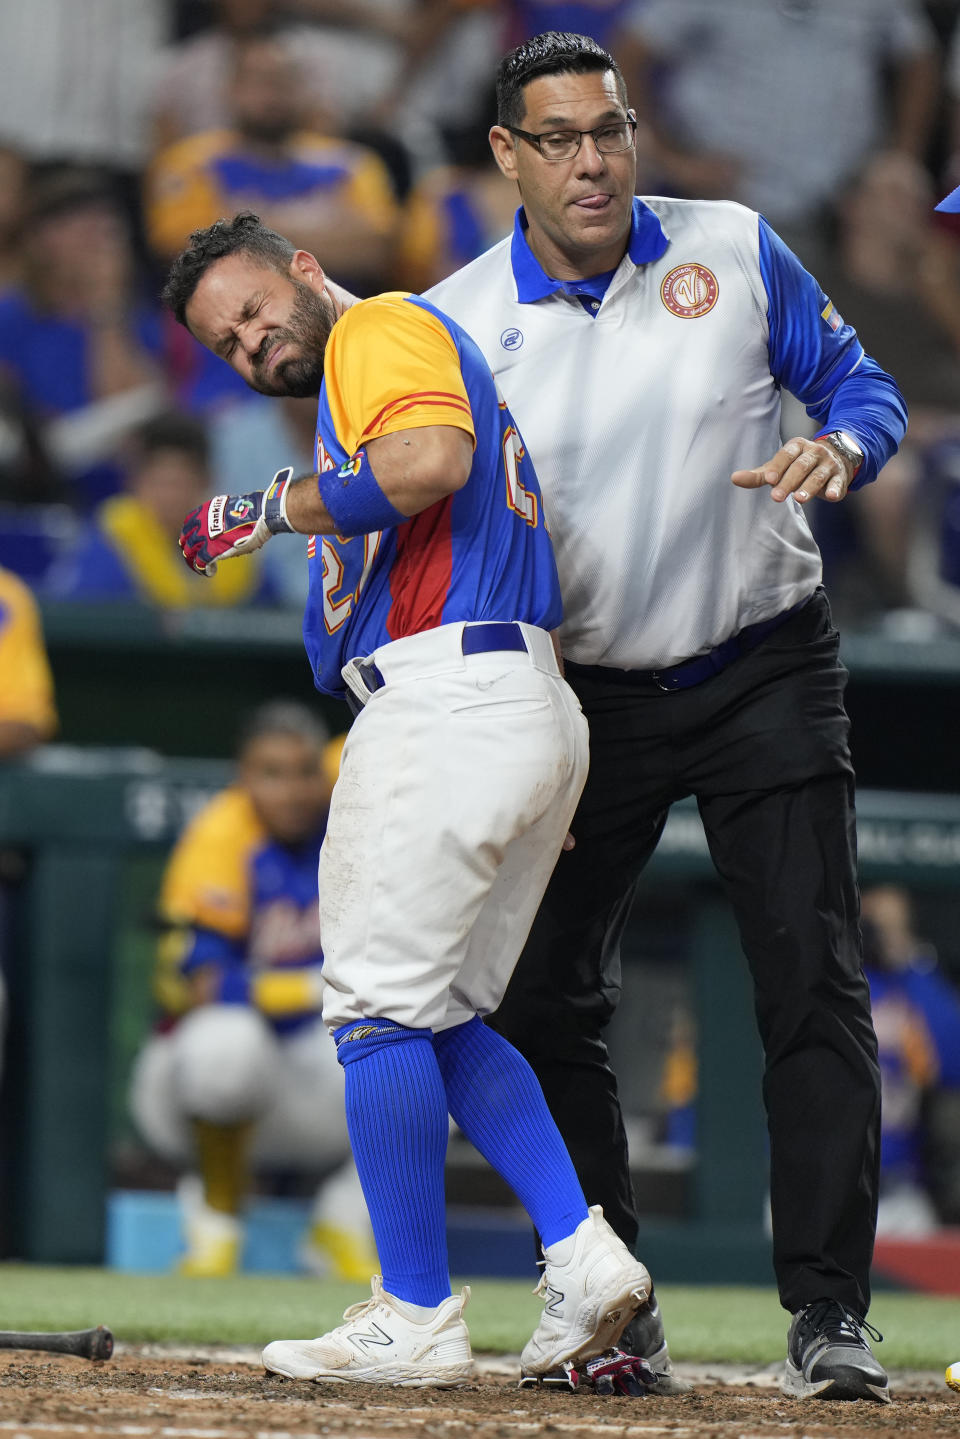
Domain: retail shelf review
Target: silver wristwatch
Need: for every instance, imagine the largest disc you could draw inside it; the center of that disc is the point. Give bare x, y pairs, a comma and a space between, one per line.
847, 446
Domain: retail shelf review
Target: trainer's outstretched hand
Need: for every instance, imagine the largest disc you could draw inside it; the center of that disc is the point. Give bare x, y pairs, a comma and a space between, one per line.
802, 468
231, 525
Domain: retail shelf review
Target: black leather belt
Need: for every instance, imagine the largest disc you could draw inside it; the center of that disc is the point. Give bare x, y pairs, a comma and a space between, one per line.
688, 673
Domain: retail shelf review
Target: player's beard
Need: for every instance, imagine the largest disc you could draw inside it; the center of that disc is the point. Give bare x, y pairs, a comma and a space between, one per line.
300, 373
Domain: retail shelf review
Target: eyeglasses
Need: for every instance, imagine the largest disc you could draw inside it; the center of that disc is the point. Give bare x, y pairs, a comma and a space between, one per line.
610, 139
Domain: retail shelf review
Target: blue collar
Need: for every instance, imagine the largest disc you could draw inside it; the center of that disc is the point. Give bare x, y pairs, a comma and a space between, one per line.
647, 242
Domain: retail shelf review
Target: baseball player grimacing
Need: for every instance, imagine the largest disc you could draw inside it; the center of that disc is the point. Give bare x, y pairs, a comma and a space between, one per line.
433, 592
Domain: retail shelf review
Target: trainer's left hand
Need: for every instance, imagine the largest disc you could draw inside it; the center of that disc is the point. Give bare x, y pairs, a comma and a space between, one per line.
225, 526
802, 468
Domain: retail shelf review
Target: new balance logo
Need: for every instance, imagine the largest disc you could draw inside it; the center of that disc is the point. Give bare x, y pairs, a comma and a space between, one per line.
554, 1302
374, 1338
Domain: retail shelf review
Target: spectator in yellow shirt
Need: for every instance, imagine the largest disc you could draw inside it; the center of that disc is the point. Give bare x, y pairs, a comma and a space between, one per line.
329, 196
128, 552
27, 713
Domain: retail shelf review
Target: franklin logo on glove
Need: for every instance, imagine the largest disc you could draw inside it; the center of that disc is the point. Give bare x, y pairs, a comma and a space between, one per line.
215, 515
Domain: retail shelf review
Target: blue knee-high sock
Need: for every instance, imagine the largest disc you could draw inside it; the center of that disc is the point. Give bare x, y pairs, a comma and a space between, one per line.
496, 1099
397, 1121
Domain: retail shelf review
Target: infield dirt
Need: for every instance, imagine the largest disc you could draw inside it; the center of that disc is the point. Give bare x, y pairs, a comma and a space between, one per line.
139, 1393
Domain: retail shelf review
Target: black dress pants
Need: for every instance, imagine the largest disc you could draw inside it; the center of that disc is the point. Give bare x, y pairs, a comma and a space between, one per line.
763, 746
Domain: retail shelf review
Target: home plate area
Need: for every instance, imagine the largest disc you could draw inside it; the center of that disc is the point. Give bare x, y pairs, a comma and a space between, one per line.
225, 1394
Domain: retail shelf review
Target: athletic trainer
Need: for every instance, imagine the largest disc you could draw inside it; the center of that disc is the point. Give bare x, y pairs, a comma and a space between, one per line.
642, 346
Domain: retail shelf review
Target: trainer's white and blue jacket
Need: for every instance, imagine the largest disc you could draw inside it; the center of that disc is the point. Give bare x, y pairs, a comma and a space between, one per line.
638, 394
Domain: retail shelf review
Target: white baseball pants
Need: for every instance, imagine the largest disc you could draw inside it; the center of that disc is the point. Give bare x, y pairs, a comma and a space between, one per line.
458, 783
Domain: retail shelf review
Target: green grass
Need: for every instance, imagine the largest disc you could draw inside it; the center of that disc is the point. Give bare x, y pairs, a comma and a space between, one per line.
737, 1325
248, 1309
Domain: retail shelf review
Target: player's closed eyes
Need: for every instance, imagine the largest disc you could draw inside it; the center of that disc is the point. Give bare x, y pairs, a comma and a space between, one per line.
249, 312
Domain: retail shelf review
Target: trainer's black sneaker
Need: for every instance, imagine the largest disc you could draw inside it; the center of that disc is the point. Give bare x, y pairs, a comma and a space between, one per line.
828, 1357
645, 1338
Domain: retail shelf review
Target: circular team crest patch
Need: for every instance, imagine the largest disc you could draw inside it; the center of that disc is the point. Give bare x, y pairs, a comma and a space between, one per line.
690, 291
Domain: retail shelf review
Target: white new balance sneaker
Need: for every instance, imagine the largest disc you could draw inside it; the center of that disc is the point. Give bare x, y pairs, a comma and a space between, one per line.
592, 1287
381, 1343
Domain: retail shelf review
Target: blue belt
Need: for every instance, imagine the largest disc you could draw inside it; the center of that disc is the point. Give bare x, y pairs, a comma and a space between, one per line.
476, 640
687, 673
493, 635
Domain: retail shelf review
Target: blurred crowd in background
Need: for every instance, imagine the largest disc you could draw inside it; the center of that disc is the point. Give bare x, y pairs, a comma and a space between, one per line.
916, 1013
358, 128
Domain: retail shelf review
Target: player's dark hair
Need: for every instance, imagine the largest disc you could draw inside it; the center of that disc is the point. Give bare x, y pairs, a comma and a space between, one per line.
286, 717
555, 52
245, 234
172, 430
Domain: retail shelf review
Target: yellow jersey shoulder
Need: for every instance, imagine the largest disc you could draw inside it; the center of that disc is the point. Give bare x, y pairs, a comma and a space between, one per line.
391, 365
26, 682
207, 881
369, 322
195, 151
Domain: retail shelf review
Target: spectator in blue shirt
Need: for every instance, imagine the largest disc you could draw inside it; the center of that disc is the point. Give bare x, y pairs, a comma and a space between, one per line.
916, 1012
128, 550
76, 344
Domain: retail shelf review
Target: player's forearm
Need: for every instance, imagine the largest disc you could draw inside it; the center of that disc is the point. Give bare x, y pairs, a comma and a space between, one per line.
413, 469
418, 467
306, 513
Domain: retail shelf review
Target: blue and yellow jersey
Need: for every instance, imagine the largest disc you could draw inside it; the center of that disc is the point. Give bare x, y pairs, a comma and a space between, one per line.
243, 908
916, 1014
196, 181
392, 363
26, 684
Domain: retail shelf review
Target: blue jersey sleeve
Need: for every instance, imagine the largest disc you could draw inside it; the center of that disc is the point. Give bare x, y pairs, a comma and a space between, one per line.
818, 358
210, 947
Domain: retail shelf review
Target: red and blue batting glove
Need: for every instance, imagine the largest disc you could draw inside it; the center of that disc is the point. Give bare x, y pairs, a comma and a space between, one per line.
231, 525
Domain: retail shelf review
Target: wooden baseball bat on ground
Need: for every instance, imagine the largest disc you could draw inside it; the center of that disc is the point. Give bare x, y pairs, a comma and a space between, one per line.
86, 1343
